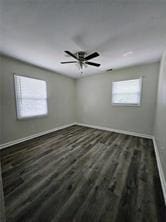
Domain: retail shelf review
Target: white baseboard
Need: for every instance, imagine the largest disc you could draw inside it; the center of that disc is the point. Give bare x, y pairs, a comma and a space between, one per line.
160, 169
11, 143
116, 130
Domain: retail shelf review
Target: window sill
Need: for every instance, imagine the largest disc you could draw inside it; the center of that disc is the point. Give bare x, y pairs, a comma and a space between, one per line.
32, 117
125, 105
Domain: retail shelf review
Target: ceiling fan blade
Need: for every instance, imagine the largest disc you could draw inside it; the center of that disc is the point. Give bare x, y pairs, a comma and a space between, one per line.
91, 56
71, 54
69, 62
93, 64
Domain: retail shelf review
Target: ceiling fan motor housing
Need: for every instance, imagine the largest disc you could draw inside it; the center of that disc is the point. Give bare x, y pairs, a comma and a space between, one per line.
81, 55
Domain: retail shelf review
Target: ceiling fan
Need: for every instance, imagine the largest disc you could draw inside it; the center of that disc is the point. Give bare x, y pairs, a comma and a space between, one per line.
82, 58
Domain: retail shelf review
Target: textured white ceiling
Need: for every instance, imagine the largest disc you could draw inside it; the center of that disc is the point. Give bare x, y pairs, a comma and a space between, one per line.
38, 32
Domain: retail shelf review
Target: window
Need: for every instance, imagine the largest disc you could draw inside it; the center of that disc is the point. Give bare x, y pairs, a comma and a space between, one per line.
31, 97
127, 92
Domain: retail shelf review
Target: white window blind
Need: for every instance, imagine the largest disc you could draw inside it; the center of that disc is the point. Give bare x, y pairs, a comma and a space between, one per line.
31, 97
127, 92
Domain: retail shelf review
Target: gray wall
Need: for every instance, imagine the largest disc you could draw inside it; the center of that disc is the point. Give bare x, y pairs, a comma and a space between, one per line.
87, 100
160, 123
61, 101
1, 71
94, 100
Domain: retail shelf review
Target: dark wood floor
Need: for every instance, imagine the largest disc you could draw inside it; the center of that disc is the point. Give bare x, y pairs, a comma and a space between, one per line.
81, 174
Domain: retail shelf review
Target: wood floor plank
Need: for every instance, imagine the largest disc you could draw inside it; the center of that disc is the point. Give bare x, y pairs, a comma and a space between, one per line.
80, 174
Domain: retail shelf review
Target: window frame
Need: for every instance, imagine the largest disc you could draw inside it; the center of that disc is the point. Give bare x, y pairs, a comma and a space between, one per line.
16, 98
129, 104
